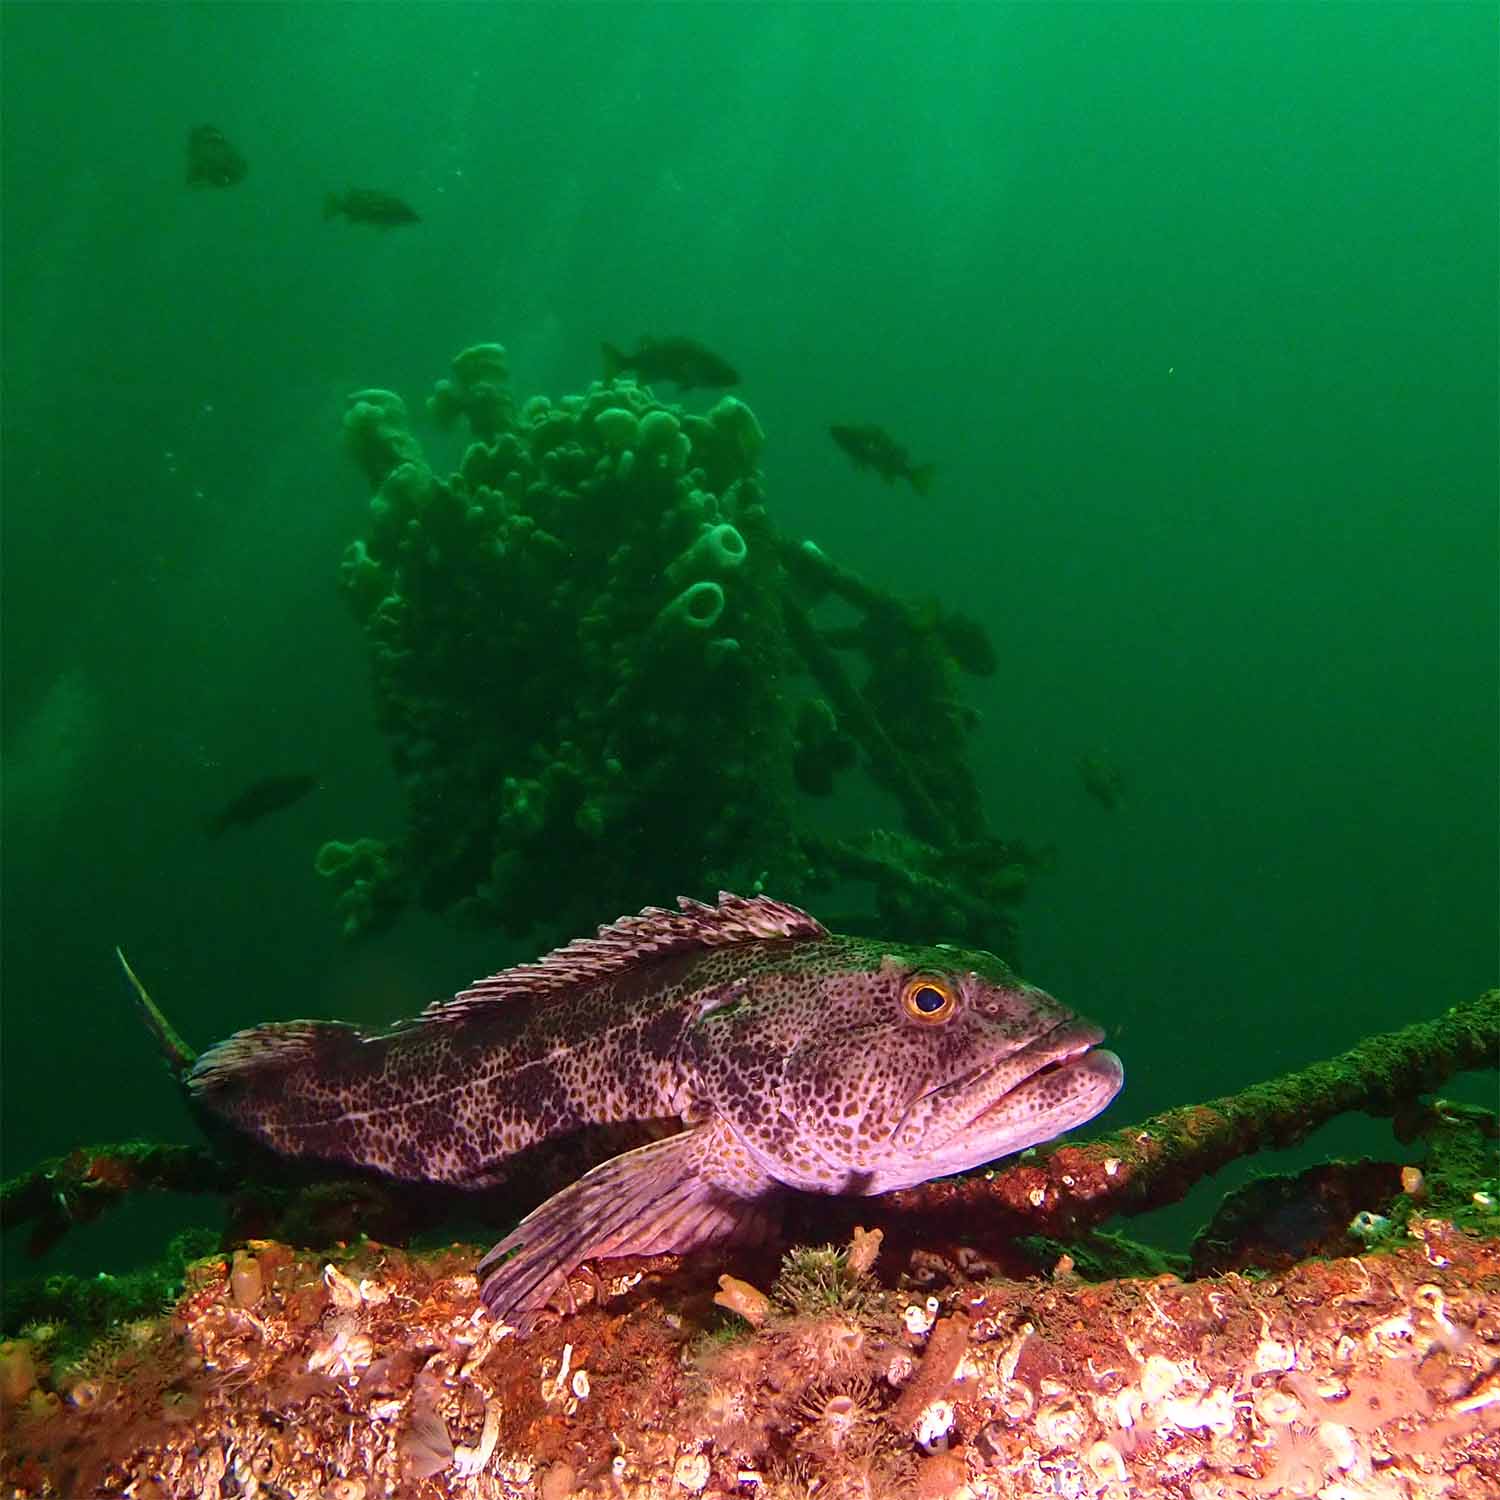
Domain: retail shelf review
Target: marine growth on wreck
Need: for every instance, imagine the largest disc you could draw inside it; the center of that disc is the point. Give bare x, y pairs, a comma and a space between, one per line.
603, 668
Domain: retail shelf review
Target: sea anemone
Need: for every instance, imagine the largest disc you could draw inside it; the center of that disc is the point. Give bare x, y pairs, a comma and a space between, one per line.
828, 1344
840, 1418
726, 1413
815, 1278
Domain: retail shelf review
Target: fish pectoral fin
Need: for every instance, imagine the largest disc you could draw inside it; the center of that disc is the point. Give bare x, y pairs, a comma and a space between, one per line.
693, 1189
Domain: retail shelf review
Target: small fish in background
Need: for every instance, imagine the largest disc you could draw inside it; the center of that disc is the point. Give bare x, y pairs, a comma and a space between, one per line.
370, 206
873, 447
212, 161
1102, 779
683, 361
268, 795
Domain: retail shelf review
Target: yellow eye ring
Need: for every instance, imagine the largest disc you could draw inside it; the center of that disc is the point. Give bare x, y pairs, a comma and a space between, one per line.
928, 999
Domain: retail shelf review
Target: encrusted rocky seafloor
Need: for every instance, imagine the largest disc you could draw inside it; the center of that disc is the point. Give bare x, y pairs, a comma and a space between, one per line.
375, 1372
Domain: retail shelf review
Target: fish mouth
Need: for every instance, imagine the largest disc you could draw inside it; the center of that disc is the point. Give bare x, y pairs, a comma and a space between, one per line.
1049, 1053
1050, 1085
1084, 1069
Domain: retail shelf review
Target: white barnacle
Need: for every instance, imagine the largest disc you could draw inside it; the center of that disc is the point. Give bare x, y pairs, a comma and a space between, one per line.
469, 1461
692, 1471
1159, 1377
1277, 1408
1485, 1393
1012, 1355
1390, 1336
1270, 1352
1340, 1443
1111, 1165
1215, 1411
344, 1292
935, 1423
345, 1352
1015, 1400
1429, 1297
1106, 1462
553, 1386
580, 1384
919, 1318
1061, 1424
1128, 1406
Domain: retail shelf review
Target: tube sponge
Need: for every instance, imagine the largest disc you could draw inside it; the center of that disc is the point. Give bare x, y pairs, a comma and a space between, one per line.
696, 608
363, 857
742, 434
717, 552
480, 390
377, 433
362, 579
617, 428
663, 441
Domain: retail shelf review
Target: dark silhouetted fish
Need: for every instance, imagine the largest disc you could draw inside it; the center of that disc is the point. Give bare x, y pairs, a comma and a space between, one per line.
369, 206
683, 361
269, 794
1102, 779
212, 161
873, 447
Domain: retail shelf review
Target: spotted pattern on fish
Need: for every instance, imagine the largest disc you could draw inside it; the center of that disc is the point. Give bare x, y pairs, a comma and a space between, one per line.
781, 1058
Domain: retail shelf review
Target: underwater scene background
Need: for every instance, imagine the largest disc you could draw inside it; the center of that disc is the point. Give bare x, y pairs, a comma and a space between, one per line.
1190, 308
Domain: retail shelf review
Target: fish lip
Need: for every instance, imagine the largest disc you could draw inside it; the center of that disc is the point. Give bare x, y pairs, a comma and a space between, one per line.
1063, 1045
1090, 1059
1066, 1041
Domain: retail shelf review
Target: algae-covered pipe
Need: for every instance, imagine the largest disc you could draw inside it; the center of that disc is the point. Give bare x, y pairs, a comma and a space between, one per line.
926, 819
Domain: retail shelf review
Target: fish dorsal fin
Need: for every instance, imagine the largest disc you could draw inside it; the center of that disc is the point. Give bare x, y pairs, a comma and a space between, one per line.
628, 942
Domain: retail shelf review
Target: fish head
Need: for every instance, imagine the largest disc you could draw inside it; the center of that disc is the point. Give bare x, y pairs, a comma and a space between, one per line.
861, 1067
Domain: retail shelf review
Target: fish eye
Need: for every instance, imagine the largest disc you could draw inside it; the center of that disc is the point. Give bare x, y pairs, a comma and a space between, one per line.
928, 999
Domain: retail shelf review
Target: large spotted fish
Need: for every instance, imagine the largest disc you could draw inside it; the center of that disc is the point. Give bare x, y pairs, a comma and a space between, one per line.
784, 1057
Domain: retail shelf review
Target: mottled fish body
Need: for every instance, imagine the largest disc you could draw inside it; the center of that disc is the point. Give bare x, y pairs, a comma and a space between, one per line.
785, 1057
370, 206
683, 361
211, 160
259, 800
872, 447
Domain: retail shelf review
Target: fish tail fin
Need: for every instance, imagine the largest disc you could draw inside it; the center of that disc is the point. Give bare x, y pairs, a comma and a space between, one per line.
180, 1057
921, 477
614, 361
333, 205
273, 1047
